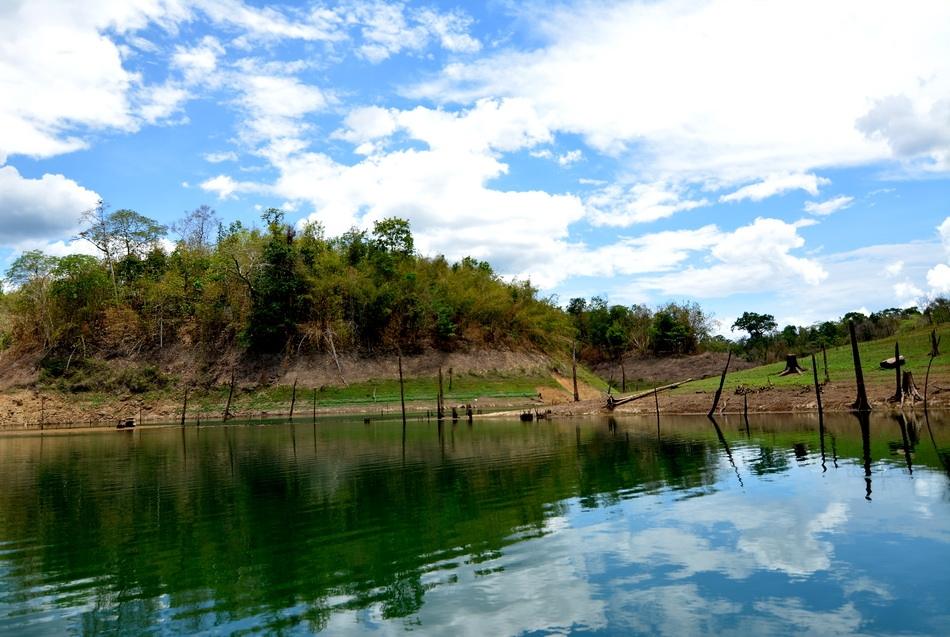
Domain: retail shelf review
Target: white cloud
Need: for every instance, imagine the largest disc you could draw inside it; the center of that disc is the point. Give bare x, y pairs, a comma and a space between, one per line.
829, 206
159, 102
227, 188
39, 209
938, 277
778, 185
614, 205
318, 24
219, 157
570, 157
912, 128
199, 63
275, 106
908, 294
389, 28
753, 258
604, 72
894, 269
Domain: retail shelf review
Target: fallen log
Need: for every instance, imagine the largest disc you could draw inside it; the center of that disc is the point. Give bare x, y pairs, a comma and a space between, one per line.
893, 362
612, 402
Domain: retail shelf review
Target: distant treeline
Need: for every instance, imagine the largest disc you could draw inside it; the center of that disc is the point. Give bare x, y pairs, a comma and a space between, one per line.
611, 332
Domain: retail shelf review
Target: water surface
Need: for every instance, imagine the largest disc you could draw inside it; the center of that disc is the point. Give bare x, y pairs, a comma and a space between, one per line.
504, 528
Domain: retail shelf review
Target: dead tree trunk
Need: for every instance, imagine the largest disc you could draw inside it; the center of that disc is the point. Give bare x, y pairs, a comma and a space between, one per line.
293, 399
792, 366
861, 404
577, 396
824, 356
722, 381
934, 344
227, 407
909, 388
898, 393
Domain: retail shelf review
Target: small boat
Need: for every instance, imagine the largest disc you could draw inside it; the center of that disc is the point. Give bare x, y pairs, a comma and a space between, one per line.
128, 423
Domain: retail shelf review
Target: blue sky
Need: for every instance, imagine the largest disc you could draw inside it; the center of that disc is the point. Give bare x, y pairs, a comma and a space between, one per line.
781, 157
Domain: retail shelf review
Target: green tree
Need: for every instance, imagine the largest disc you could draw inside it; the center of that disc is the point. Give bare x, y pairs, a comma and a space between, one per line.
759, 327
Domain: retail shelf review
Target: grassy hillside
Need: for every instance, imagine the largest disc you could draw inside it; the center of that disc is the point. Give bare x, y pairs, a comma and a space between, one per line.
914, 345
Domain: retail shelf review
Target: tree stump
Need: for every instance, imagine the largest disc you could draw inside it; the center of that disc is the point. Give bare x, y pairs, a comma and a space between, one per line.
909, 388
792, 366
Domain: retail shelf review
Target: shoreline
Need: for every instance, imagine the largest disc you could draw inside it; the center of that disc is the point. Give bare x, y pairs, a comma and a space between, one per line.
776, 401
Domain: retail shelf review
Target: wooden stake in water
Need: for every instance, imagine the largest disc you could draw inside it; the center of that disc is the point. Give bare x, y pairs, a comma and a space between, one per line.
899, 394
722, 381
861, 404
184, 408
293, 400
440, 408
227, 407
821, 415
402, 396
314, 406
934, 352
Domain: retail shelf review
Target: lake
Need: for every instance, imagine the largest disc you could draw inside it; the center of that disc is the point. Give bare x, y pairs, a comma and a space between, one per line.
587, 526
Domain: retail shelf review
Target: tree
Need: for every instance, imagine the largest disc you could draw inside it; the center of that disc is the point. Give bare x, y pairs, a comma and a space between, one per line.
136, 234
392, 235
32, 273
758, 327
278, 293
196, 227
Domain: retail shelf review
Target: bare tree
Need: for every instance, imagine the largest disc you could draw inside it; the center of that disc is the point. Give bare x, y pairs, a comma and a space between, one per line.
196, 228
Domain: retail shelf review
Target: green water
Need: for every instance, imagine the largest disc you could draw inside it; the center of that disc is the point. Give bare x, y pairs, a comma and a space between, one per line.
504, 528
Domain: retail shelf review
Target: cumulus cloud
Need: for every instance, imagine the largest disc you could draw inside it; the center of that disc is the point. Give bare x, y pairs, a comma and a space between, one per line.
227, 188
615, 205
33, 210
777, 185
911, 129
824, 208
604, 72
388, 28
753, 258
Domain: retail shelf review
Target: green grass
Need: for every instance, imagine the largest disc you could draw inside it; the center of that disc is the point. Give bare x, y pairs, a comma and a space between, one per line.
914, 345
465, 387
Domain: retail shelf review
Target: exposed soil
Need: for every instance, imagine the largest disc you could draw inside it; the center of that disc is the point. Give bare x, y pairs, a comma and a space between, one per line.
642, 373
22, 407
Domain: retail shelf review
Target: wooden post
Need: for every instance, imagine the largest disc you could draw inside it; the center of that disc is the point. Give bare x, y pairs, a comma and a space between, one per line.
227, 407
42, 412
440, 408
402, 396
577, 396
934, 352
898, 394
656, 401
824, 355
184, 408
293, 399
745, 409
861, 404
314, 406
821, 417
450, 379
722, 381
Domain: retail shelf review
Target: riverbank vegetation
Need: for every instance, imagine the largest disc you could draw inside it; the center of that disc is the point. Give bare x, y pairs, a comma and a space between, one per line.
161, 306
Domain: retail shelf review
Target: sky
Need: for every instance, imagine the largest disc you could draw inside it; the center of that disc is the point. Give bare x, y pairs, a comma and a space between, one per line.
786, 157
